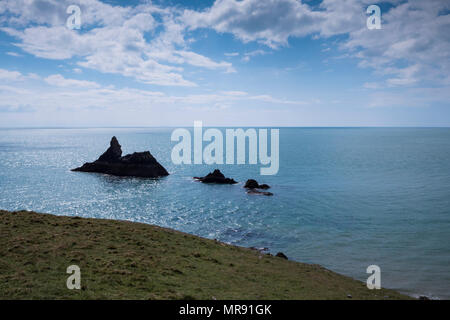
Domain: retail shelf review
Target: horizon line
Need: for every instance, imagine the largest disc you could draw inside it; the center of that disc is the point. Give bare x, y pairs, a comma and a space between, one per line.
222, 126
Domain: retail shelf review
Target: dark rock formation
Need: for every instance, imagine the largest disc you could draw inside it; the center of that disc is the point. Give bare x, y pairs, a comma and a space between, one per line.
215, 177
281, 255
253, 184
138, 164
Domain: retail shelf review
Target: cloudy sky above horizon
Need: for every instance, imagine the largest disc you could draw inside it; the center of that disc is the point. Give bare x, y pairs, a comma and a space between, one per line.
225, 62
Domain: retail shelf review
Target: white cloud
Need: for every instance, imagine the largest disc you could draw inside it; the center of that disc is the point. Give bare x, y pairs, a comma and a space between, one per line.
56, 92
59, 81
414, 36
81, 94
414, 33
16, 75
112, 39
198, 60
10, 75
115, 38
235, 93
270, 22
13, 54
7, 89
231, 54
253, 53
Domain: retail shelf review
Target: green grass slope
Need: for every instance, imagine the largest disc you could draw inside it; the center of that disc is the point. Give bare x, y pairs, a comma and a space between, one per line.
126, 260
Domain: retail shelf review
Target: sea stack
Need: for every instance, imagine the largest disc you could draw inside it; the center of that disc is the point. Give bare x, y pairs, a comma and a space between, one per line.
138, 164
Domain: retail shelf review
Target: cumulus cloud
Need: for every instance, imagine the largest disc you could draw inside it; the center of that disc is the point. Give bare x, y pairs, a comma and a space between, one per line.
414, 33
412, 47
10, 75
271, 22
135, 42
115, 39
16, 75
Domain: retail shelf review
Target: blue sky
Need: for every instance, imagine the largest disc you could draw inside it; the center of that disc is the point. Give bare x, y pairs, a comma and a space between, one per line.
225, 62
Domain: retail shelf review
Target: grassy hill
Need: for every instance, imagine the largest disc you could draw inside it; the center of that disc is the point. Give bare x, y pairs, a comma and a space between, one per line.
126, 260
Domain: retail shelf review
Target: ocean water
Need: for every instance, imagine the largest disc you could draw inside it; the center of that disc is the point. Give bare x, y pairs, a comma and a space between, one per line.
345, 198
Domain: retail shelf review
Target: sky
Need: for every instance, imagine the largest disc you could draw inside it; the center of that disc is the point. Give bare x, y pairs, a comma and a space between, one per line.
237, 63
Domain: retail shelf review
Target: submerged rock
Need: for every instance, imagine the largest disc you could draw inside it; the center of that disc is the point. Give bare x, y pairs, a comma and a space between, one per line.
253, 184
264, 193
138, 164
215, 177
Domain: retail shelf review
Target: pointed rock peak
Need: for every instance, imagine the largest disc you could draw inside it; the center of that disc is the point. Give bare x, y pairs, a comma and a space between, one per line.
216, 173
113, 153
114, 143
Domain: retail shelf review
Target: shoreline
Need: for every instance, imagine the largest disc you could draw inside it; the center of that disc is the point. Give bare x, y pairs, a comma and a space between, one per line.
130, 260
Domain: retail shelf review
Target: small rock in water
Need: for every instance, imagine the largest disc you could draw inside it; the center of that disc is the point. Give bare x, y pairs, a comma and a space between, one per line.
253, 184
215, 177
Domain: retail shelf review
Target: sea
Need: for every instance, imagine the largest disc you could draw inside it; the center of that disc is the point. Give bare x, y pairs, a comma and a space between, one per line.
344, 198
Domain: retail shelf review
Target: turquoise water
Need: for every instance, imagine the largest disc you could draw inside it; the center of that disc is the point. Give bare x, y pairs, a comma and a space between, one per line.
344, 198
